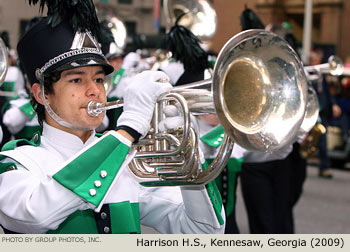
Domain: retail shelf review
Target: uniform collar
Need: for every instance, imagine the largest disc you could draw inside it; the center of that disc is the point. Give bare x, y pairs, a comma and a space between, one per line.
64, 139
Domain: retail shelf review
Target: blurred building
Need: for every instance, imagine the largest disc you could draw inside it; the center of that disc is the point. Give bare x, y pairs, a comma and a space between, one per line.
331, 18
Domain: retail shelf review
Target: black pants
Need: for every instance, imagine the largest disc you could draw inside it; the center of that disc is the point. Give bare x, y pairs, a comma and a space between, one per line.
266, 189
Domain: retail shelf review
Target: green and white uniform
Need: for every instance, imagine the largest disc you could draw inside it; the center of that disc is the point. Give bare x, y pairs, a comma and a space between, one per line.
14, 81
56, 183
20, 118
211, 139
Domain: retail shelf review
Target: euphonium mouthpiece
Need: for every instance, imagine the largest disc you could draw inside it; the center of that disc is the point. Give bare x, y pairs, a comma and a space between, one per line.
95, 108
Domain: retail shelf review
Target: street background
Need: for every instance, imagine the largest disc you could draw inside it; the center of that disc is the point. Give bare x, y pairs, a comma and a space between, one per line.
324, 207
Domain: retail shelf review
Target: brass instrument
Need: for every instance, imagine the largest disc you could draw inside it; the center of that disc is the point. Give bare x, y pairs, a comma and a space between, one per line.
309, 147
310, 127
314, 130
334, 67
3, 61
258, 92
118, 30
198, 16
312, 111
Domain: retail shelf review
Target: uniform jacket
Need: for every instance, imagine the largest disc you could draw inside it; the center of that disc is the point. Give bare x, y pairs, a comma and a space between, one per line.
60, 184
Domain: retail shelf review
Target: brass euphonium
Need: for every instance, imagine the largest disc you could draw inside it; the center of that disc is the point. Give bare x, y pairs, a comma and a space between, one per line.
3, 61
118, 30
198, 16
258, 92
310, 127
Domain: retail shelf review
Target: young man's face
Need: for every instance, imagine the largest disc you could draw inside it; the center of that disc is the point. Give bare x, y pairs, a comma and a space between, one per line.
72, 93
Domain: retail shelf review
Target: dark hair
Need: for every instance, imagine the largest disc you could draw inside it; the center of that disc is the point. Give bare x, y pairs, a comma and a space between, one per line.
49, 80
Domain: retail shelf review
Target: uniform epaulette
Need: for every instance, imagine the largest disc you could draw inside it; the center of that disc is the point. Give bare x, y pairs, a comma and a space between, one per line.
11, 145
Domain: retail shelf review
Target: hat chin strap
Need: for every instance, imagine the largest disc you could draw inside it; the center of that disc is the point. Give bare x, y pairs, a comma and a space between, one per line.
56, 117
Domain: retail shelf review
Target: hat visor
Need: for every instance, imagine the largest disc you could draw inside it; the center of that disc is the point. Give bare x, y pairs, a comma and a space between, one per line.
87, 60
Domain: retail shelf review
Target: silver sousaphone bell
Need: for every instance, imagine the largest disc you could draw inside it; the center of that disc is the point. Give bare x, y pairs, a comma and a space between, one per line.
259, 93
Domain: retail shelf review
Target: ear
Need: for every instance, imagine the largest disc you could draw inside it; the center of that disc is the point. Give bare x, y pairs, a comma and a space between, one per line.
36, 91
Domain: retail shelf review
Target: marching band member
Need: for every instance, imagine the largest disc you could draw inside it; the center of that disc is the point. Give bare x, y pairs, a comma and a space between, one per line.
186, 49
211, 136
68, 180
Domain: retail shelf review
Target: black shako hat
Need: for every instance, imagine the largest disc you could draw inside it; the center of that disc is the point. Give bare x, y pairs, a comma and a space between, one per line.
65, 39
44, 49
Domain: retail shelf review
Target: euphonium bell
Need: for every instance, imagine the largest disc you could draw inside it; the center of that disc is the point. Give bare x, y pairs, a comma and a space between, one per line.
258, 92
3, 61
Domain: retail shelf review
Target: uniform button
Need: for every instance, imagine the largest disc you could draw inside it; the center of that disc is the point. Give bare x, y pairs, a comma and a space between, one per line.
216, 142
36, 138
106, 229
92, 192
103, 215
11, 168
220, 139
222, 135
224, 178
97, 183
103, 174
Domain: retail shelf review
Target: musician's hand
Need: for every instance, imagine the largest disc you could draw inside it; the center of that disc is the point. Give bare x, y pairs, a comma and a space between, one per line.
174, 119
336, 111
140, 98
131, 60
15, 119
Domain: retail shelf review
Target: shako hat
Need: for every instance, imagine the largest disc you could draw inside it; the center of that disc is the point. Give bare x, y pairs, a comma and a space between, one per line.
65, 39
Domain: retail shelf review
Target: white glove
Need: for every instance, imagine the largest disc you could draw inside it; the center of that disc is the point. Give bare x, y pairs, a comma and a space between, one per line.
15, 120
173, 119
131, 60
140, 97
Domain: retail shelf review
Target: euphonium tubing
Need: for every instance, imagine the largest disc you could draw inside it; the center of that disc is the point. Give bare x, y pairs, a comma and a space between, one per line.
258, 92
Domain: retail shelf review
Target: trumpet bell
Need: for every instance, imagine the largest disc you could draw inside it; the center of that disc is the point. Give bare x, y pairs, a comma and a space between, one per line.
259, 88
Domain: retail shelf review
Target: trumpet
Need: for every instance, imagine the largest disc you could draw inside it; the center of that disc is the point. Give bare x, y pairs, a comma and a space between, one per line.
334, 67
258, 92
